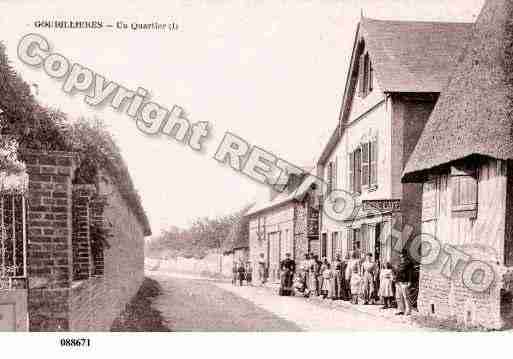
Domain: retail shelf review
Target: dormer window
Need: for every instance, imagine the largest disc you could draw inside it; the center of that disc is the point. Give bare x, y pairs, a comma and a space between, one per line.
365, 75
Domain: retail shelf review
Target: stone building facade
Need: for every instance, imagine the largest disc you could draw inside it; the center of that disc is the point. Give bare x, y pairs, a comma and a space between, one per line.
287, 223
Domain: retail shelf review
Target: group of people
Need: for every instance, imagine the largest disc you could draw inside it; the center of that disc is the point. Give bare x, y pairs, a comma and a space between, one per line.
355, 279
242, 272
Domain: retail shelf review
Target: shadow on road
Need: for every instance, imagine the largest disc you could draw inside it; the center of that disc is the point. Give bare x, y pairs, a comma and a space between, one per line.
139, 315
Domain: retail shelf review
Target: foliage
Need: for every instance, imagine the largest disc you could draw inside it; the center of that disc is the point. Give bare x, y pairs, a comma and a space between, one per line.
8, 157
99, 236
97, 149
203, 235
30, 124
35, 127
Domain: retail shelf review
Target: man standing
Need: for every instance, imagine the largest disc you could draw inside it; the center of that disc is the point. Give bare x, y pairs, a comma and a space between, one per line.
261, 269
338, 277
304, 267
403, 281
288, 268
241, 272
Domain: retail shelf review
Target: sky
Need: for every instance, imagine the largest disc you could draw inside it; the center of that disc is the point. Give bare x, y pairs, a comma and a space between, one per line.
271, 72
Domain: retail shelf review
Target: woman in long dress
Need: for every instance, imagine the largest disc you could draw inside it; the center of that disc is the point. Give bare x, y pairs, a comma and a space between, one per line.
368, 270
312, 276
386, 290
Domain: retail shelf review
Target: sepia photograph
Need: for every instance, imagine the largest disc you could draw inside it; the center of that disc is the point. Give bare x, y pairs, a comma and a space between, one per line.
228, 167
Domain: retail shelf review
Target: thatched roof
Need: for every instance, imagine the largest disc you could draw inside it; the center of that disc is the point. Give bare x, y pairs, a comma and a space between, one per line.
474, 114
413, 56
407, 57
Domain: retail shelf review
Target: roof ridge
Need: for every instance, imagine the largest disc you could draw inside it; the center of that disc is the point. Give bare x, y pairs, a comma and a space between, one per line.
417, 21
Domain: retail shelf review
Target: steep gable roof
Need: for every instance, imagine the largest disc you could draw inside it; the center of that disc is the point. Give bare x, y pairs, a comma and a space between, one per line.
407, 57
474, 113
413, 56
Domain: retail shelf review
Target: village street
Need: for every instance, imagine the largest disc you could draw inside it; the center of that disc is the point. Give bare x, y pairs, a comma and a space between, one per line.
192, 304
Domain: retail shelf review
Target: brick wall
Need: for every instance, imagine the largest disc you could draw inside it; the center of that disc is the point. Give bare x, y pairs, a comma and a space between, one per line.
58, 245
97, 302
49, 239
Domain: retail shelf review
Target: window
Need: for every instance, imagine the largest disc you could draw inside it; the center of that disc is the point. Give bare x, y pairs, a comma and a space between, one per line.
364, 234
323, 245
373, 163
358, 171
334, 245
464, 187
365, 164
354, 239
363, 169
331, 176
365, 75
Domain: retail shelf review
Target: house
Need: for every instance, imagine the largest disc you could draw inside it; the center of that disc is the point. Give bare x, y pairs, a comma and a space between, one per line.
463, 160
72, 230
396, 73
287, 222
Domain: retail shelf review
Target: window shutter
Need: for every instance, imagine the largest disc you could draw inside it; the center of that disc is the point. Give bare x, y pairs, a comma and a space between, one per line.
371, 77
373, 151
358, 170
333, 245
361, 76
366, 75
429, 200
351, 172
329, 176
464, 187
335, 174
365, 164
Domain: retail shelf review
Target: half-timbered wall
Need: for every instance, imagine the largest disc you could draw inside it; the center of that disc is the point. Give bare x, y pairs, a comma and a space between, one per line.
479, 232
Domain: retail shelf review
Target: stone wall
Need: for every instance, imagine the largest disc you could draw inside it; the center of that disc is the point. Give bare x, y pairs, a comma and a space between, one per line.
300, 231
447, 297
291, 217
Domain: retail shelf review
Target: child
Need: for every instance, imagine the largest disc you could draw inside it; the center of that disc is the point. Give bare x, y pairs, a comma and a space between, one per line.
356, 286
299, 284
326, 280
385, 287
